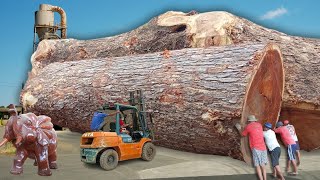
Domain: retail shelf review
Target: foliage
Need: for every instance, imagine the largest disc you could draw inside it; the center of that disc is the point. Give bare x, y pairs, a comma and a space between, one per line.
8, 149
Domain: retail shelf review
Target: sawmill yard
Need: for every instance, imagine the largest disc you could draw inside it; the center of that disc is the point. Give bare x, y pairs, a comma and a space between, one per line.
168, 164
197, 76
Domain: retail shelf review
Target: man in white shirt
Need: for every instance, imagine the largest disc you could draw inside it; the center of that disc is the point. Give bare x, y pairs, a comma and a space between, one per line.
295, 138
274, 149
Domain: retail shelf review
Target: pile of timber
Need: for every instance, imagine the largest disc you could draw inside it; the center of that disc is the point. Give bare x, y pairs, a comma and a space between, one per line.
199, 92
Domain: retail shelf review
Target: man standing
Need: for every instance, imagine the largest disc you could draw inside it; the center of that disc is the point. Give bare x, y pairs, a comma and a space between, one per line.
295, 138
98, 119
274, 149
257, 145
290, 144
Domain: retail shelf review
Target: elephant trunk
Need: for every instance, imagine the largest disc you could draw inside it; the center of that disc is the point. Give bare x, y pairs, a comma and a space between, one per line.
4, 141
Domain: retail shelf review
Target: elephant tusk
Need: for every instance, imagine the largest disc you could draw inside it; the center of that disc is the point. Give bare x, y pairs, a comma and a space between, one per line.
5, 140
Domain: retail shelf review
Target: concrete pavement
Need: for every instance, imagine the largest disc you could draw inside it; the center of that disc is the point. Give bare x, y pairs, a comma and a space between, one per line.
167, 164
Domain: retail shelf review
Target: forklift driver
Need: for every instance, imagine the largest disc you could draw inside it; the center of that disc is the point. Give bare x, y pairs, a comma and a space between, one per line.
125, 128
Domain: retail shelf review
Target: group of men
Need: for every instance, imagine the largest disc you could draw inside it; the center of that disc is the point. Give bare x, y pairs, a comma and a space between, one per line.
260, 137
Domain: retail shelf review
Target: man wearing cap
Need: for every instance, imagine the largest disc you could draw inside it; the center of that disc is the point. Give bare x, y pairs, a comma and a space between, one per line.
290, 144
295, 138
274, 149
98, 119
257, 145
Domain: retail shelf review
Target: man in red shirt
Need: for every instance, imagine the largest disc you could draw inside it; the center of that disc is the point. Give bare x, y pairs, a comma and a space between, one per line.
123, 127
292, 131
258, 147
290, 144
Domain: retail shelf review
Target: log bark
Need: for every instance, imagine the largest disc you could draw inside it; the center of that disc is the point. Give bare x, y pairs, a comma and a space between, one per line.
199, 94
177, 30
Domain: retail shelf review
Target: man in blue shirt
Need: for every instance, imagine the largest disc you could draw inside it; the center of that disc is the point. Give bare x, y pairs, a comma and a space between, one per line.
98, 119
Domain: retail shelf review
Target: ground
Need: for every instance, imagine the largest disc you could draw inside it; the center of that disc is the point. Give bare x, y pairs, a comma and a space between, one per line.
167, 164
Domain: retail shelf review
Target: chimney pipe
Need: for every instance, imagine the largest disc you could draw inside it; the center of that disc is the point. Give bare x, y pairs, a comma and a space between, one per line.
63, 22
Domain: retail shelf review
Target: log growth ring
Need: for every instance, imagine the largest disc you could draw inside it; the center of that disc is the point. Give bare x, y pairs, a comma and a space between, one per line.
264, 93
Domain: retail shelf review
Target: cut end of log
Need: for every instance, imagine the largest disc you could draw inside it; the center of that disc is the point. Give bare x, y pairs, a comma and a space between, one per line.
264, 93
205, 29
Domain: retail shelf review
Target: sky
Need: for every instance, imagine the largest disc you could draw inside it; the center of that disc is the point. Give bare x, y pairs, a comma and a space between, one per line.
100, 18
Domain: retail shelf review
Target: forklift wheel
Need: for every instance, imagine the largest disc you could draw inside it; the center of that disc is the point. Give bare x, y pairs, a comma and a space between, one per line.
109, 159
148, 151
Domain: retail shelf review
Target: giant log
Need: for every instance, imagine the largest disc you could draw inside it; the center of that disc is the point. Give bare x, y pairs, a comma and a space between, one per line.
198, 93
177, 30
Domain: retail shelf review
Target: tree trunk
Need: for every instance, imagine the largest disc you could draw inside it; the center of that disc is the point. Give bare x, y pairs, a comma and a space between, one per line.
198, 94
177, 30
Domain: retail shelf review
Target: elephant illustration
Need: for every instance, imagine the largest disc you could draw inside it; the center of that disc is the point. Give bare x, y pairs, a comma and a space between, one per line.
34, 137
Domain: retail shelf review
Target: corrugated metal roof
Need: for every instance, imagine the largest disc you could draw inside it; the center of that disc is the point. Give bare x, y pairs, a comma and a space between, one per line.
19, 109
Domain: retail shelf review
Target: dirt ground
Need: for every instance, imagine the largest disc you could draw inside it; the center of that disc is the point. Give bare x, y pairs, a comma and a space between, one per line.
168, 164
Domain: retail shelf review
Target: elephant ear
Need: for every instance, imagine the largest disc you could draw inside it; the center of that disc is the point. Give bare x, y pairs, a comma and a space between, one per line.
44, 122
29, 119
43, 139
44, 128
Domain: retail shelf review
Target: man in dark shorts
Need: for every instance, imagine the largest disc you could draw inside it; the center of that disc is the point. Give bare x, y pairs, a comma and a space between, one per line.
274, 149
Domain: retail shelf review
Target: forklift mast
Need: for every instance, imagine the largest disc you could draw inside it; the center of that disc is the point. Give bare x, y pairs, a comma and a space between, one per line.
139, 102
142, 113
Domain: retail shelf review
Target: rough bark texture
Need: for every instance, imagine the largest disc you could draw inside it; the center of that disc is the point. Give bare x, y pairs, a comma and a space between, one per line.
176, 30
198, 93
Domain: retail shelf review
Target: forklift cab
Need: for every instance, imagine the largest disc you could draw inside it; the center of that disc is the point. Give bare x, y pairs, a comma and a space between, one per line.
138, 126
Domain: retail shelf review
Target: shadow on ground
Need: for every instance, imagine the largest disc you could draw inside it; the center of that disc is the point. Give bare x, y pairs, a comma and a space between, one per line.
314, 175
